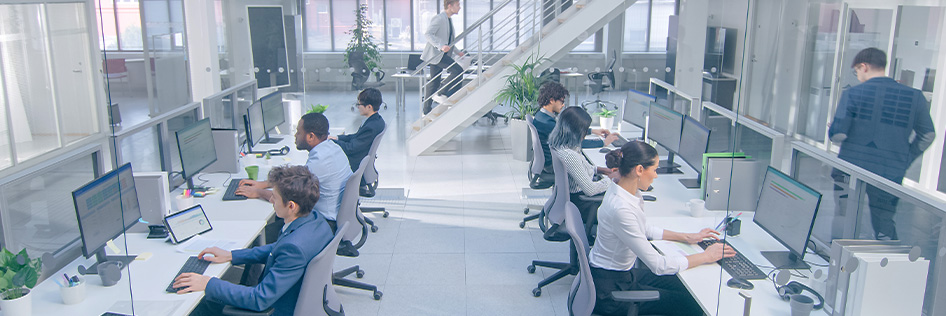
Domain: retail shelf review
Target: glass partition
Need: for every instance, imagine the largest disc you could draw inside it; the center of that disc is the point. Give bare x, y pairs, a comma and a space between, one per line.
142, 149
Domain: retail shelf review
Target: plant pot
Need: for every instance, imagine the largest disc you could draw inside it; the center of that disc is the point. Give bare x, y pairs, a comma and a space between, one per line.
22, 306
606, 122
520, 140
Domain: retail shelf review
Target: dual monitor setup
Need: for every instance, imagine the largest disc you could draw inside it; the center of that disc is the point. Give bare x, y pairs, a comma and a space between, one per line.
261, 118
680, 134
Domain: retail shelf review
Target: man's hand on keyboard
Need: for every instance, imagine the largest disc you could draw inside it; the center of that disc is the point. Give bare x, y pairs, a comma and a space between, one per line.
718, 251
248, 191
191, 282
610, 139
705, 233
217, 255
603, 132
254, 184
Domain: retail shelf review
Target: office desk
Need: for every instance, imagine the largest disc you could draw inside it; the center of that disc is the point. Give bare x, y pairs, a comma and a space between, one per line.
575, 76
399, 88
147, 279
707, 283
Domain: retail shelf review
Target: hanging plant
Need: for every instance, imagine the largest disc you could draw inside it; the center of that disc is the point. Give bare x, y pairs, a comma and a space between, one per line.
361, 39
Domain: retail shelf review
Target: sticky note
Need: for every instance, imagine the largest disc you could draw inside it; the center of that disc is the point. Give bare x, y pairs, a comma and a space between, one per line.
144, 256
111, 245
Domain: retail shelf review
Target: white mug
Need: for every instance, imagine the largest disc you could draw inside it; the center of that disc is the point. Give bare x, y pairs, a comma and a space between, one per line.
697, 207
183, 202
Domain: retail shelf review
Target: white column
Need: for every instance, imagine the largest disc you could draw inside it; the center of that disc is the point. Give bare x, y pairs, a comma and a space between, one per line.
691, 43
202, 48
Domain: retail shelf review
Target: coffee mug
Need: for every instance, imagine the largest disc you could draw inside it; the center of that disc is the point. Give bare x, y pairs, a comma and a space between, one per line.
801, 305
697, 207
252, 172
110, 272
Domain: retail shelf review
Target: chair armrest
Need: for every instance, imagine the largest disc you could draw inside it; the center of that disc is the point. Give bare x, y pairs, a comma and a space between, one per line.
382, 75
597, 198
236, 311
635, 296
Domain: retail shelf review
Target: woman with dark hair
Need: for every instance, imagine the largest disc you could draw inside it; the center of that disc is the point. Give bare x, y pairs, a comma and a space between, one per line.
583, 178
623, 237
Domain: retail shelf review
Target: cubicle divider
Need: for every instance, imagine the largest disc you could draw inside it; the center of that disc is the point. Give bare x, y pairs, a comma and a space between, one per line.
150, 145
226, 108
675, 99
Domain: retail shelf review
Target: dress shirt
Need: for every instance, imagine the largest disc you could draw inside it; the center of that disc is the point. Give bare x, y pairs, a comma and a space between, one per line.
330, 166
623, 236
581, 173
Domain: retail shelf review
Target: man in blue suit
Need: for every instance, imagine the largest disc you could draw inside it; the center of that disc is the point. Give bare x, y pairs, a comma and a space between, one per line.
873, 123
304, 235
357, 145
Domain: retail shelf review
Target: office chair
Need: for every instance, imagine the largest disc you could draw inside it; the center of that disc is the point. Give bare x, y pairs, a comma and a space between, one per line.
538, 164
371, 178
554, 215
361, 73
315, 283
581, 296
350, 213
598, 85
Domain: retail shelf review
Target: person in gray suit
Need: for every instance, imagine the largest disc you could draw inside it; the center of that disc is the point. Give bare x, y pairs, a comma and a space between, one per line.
439, 54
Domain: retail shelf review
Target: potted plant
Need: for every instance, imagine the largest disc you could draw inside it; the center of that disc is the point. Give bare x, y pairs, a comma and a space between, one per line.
18, 274
606, 117
520, 94
318, 108
362, 40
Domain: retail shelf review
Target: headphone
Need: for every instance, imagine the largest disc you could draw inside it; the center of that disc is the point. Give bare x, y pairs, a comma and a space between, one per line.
279, 152
792, 288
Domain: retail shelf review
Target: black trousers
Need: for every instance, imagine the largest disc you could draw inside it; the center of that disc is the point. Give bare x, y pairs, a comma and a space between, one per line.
674, 297
883, 207
453, 84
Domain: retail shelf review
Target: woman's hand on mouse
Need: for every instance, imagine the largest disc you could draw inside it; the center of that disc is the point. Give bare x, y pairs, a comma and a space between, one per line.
705, 233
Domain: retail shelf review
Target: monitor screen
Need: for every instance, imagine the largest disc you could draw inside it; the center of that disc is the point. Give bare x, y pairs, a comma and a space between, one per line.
787, 210
273, 112
195, 144
255, 131
693, 143
664, 127
105, 208
636, 108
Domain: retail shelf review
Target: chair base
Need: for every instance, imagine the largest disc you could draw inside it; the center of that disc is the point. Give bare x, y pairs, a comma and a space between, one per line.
384, 213
564, 269
533, 217
338, 278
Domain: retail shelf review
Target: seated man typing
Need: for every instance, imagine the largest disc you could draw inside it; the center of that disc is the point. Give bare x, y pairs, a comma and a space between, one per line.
357, 145
305, 234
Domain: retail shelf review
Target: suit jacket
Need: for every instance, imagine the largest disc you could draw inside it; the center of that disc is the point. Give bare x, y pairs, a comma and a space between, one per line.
286, 261
544, 124
437, 35
877, 117
357, 145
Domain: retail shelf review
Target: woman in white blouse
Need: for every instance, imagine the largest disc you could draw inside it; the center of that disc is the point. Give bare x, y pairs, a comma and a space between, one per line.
623, 237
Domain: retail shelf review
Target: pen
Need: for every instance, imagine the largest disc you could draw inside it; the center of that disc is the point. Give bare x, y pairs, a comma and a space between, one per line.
737, 217
721, 223
67, 279
75, 279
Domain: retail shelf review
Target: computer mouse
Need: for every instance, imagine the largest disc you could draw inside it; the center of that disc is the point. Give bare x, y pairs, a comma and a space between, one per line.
649, 188
741, 284
650, 198
604, 150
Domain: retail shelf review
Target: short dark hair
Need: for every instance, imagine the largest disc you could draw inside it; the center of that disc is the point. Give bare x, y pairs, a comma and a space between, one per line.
372, 97
636, 153
449, 2
297, 184
570, 128
552, 91
872, 56
315, 123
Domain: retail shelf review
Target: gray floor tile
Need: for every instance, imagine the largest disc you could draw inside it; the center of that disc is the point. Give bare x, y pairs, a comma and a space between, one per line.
498, 240
429, 240
427, 269
501, 269
376, 267
505, 300
418, 300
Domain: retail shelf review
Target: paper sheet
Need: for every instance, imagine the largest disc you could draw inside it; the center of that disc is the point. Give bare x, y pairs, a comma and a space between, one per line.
198, 243
676, 248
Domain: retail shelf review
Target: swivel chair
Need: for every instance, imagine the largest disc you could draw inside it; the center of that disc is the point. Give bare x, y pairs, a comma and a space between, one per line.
371, 178
581, 296
315, 283
598, 85
350, 214
360, 72
538, 164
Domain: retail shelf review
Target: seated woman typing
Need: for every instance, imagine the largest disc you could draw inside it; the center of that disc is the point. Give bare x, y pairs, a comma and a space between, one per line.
623, 237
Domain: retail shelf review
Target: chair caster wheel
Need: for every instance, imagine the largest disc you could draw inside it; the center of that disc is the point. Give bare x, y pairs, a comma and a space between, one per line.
525, 211
531, 268
377, 295
374, 228
360, 274
536, 292
522, 224
385, 214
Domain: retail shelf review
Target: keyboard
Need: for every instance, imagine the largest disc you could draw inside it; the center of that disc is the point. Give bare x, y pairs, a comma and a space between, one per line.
194, 265
737, 266
231, 191
620, 141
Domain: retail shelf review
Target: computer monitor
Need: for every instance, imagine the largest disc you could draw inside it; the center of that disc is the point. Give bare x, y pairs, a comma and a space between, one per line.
106, 208
195, 144
786, 210
636, 107
664, 126
694, 141
273, 115
255, 131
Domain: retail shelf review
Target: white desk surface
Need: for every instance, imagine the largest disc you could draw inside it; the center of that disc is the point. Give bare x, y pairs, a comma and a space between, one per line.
707, 282
147, 279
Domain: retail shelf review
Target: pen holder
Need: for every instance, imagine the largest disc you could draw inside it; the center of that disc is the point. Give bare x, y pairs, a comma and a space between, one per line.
734, 227
73, 294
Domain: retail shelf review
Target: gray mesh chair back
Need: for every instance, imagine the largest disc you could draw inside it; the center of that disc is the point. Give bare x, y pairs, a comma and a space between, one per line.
581, 297
556, 213
538, 155
317, 295
371, 174
348, 212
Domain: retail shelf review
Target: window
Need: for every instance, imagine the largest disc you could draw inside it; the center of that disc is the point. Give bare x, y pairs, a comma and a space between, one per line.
119, 23
398, 25
647, 24
318, 25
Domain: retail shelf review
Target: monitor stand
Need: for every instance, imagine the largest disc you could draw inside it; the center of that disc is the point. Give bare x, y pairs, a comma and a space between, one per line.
193, 188
101, 257
690, 183
785, 260
270, 140
668, 167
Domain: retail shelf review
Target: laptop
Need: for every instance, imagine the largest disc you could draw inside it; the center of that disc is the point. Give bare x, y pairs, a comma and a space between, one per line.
413, 60
186, 224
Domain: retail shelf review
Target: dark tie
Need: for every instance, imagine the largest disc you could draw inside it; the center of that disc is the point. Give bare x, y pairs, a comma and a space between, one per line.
450, 38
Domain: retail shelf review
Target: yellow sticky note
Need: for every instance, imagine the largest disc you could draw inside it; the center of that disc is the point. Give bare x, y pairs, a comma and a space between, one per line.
144, 256
111, 245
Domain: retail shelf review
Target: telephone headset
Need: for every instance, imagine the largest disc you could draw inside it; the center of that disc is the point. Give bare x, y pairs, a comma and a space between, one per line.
792, 288
273, 152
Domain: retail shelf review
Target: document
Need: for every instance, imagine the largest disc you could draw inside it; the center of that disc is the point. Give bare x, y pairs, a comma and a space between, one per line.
198, 243
672, 248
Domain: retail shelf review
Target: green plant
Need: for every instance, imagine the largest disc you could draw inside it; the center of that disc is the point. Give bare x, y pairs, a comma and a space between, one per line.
17, 271
522, 88
318, 108
605, 113
361, 39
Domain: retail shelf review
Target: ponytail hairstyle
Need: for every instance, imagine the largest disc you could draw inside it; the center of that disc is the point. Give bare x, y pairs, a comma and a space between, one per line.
636, 153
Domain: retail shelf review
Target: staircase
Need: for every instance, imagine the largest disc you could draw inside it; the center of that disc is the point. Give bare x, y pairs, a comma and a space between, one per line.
511, 43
